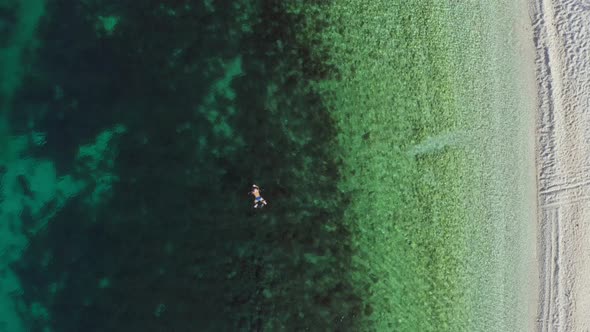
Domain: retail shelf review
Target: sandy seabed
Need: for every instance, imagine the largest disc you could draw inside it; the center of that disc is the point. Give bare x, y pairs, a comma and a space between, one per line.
562, 42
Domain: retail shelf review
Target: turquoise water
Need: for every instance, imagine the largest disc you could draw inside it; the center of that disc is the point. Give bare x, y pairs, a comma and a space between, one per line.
393, 141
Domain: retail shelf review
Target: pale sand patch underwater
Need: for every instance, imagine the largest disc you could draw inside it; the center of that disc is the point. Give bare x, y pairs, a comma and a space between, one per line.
498, 92
562, 35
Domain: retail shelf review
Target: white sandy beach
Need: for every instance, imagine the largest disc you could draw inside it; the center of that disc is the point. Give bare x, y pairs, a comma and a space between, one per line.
562, 41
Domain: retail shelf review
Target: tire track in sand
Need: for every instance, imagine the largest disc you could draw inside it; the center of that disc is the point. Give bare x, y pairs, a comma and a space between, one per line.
562, 42
549, 315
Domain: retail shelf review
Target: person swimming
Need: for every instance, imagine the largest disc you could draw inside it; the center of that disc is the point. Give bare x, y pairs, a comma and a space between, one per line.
258, 200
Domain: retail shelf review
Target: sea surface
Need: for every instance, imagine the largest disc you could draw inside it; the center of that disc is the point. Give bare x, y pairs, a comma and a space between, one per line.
392, 140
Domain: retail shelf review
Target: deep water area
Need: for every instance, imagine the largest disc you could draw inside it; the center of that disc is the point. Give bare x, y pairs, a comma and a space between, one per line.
186, 104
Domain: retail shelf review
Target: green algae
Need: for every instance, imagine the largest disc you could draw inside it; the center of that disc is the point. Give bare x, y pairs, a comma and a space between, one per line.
394, 95
107, 24
423, 94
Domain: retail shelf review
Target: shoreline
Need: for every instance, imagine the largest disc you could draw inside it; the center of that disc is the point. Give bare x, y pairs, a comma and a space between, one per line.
563, 128
499, 97
525, 36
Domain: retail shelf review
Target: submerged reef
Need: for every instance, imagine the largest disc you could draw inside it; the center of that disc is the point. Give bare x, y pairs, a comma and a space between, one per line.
188, 104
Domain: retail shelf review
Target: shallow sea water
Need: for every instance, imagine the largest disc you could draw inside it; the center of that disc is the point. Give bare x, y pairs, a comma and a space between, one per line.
436, 126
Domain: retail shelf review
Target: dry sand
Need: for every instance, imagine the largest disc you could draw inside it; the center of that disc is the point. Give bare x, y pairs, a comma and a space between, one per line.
562, 41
